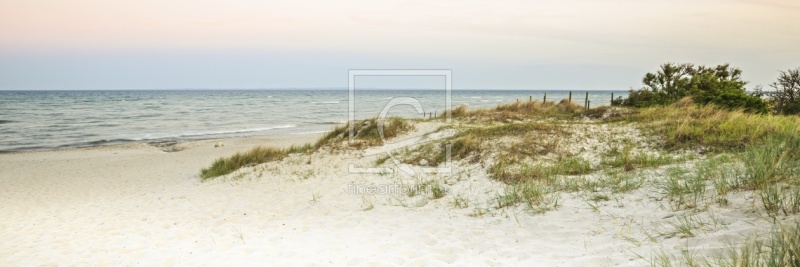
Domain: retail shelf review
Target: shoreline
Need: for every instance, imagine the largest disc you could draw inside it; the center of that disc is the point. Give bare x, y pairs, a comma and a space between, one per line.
163, 143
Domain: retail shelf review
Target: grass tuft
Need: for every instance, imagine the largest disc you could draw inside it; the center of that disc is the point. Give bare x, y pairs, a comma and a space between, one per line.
512, 172
258, 155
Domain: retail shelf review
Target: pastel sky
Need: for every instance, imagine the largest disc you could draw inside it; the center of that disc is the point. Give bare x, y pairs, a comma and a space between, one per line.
513, 44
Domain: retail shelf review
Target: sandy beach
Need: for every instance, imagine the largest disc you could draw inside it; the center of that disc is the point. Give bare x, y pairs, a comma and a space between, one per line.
137, 204
400, 133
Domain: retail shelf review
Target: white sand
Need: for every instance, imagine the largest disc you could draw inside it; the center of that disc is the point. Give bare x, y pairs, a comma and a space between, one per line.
136, 204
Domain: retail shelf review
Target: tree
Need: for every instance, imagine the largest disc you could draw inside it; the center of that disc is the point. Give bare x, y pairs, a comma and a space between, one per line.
669, 79
787, 92
721, 85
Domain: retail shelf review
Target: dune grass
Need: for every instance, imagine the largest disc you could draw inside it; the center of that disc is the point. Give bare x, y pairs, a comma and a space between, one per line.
518, 110
781, 248
255, 156
629, 161
366, 134
686, 125
513, 172
474, 143
535, 196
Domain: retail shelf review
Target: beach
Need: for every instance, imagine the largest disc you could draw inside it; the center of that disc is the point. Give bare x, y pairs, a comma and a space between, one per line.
137, 204
399, 133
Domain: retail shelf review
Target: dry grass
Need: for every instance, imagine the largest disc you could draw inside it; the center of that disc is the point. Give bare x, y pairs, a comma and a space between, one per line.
366, 134
685, 125
519, 110
250, 158
779, 249
515, 172
473, 144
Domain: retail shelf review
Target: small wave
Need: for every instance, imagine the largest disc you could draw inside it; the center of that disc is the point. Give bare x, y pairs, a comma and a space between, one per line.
249, 130
329, 122
6, 121
326, 102
99, 142
205, 133
313, 132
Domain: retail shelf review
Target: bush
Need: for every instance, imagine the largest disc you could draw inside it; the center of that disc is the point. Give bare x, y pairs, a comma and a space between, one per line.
721, 85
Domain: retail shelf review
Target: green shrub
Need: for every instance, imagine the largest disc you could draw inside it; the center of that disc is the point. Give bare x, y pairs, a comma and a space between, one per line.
721, 86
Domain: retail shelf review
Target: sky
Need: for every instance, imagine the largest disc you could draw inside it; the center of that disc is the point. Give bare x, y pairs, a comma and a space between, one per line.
512, 44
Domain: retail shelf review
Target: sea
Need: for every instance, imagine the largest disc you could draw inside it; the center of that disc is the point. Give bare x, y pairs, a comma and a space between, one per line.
47, 120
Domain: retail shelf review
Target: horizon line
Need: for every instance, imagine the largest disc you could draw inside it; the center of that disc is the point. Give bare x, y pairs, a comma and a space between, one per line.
306, 88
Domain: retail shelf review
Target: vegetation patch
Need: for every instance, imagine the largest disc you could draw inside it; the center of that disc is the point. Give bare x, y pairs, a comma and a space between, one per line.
780, 248
628, 161
513, 172
519, 110
258, 155
535, 196
685, 125
366, 132
475, 143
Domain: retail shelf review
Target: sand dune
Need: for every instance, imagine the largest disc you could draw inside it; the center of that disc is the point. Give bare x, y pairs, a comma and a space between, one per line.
136, 204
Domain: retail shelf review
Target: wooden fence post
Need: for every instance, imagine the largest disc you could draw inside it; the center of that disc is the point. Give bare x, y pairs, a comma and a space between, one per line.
586, 100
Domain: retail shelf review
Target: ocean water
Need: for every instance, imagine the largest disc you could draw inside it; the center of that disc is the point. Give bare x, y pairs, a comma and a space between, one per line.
43, 120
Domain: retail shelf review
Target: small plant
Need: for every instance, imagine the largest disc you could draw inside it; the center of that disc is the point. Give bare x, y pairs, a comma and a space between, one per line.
684, 191
685, 226
628, 161
367, 202
422, 187
459, 202
600, 197
511, 172
479, 212
315, 198
772, 200
536, 197
776, 160
777, 200
379, 161
622, 182
437, 191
